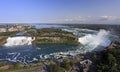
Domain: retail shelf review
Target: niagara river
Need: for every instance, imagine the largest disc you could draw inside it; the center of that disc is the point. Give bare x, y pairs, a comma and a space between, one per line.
20, 48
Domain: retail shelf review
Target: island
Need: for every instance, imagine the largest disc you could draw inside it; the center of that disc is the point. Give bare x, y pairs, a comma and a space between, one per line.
49, 35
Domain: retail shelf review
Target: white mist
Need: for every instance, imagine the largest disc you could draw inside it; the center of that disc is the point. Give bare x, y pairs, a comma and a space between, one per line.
100, 39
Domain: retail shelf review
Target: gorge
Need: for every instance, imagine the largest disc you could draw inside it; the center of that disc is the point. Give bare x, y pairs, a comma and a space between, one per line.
53, 43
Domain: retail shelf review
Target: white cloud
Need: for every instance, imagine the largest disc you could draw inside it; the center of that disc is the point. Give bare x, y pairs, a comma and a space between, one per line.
89, 20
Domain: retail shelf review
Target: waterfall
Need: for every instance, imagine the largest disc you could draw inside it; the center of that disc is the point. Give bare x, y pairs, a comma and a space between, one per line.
100, 39
19, 40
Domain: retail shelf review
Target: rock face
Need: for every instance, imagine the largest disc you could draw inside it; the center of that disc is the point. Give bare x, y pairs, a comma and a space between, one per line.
85, 65
114, 44
3, 40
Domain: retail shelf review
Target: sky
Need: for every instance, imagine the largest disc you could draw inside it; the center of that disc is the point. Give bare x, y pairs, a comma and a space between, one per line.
60, 11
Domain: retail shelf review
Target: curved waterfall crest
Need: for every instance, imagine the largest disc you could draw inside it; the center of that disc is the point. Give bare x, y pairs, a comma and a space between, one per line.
101, 38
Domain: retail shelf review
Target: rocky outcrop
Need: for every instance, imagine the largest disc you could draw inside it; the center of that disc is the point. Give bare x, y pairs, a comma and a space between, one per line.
82, 66
85, 65
3, 40
114, 44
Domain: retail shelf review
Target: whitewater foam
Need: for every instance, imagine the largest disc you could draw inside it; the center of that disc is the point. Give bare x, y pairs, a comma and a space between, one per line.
19, 40
100, 39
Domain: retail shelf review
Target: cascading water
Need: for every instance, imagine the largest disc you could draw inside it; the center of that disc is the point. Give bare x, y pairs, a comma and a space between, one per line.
89, 39
94, 41
19, 40
101, 38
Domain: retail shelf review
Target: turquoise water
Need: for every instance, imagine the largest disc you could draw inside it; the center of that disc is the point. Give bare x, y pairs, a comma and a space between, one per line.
32, 53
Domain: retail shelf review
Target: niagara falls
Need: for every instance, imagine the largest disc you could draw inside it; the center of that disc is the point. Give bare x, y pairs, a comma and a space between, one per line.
100, 39
20, 40
59, 35
55, 43
24, 48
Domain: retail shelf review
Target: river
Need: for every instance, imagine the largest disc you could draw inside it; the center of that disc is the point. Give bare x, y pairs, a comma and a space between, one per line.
91, 40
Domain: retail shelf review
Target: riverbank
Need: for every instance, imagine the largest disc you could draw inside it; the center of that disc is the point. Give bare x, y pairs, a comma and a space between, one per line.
5, 35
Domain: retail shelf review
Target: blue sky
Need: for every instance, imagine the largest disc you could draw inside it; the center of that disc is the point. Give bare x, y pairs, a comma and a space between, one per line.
60, 11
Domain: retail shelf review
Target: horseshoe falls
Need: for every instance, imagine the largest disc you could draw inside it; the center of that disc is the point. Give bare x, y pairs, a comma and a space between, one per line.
100, 39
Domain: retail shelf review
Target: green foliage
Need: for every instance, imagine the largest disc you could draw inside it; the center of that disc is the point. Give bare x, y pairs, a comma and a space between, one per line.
7, 33
48, 35
94, 57
4, 36
65, 65
16, 66
2, 63
62, 67
31, 33
49, 32
55, 68
109, 60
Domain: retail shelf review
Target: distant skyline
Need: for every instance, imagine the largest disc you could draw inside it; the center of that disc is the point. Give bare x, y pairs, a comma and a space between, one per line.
60, 11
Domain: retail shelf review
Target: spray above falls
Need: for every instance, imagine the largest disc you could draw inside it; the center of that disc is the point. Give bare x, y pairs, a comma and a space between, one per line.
19, 40
100, 39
